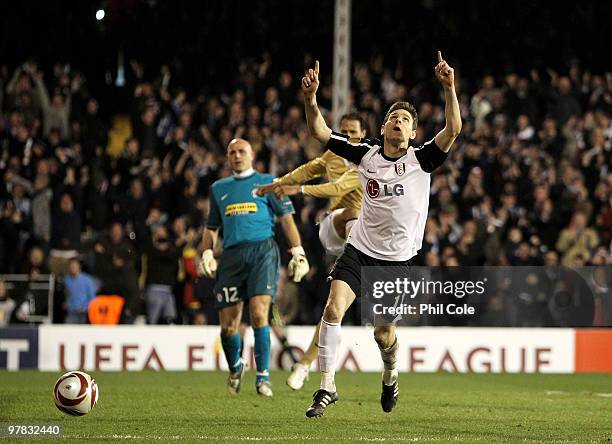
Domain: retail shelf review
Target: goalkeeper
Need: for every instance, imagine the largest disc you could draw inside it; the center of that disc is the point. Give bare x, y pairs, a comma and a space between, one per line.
248, 268
344, 193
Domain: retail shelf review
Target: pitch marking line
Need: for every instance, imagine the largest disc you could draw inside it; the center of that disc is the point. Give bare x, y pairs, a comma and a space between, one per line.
231, 438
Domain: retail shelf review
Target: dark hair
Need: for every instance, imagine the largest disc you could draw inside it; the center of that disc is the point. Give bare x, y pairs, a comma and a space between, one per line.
408, 107
354, 115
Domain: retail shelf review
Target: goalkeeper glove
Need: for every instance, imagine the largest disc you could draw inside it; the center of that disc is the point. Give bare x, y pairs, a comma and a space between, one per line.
208, 264
298, 265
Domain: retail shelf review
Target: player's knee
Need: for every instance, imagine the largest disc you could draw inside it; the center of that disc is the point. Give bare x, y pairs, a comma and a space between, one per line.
259, 311
340, 221
259, 318
339, 226
333, 312
350, 213
383, 336
229, 330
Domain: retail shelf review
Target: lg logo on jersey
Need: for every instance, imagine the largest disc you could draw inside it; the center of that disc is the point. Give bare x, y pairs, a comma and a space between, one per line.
373, 189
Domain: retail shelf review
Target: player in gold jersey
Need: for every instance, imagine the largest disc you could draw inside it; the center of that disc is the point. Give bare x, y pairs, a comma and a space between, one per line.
344, 192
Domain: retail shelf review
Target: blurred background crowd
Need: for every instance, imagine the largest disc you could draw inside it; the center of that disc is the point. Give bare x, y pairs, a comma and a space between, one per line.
111, 195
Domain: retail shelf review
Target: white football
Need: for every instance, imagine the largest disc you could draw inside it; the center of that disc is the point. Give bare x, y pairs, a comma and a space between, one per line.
75, 393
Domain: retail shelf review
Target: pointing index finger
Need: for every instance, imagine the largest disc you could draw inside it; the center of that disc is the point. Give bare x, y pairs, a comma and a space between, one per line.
316, 69
440, 59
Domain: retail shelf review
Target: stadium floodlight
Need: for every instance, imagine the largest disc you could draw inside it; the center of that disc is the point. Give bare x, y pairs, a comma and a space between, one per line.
100, 14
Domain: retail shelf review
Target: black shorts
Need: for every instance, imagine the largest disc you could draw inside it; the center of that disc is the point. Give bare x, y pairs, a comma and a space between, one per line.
347, 267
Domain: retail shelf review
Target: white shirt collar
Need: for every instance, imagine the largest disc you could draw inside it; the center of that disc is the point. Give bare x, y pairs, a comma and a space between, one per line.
245, 173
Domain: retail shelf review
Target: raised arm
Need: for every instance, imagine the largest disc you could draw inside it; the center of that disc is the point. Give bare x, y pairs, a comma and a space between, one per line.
446, 75
316, 124
346, 183
10, 87
304, 173
41, 91
311, 170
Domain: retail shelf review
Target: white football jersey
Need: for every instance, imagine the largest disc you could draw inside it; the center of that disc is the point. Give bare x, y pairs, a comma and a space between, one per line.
395, 201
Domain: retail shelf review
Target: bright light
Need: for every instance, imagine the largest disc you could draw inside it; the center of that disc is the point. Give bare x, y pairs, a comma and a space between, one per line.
100, 14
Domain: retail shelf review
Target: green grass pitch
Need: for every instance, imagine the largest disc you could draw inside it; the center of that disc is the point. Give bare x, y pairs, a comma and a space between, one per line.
194, 406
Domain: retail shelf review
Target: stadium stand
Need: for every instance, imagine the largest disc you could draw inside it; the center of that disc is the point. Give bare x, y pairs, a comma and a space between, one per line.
528, 183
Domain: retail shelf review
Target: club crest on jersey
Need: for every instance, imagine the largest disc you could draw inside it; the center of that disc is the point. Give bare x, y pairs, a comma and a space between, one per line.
373, 189
400, 168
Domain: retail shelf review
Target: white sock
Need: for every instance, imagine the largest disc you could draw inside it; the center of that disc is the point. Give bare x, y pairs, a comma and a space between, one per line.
389, 357
349, 226
389, 376
329, 341
327, 381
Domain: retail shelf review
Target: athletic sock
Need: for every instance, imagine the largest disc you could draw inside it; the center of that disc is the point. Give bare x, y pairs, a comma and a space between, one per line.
389, 357
313, 350
232, 346
329, 341
262, 352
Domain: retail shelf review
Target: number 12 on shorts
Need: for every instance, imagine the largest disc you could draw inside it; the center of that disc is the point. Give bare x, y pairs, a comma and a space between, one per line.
230, 295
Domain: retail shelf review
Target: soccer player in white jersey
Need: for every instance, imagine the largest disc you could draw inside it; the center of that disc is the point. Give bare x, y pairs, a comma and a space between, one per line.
396, 180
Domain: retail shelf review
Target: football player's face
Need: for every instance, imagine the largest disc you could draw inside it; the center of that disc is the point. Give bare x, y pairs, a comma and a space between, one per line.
352, 128
398, 128
240, 155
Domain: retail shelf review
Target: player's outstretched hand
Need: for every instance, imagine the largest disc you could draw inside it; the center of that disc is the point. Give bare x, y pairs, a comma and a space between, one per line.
279, 191
298, 265
208, 265
444, 73
310, 82
265, 189
286, 190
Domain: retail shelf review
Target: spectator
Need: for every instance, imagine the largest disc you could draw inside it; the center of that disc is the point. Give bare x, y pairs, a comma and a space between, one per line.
116, 264
56, 111
565, 102
11, 225
93, 130
577, 241
7, 305
534, 151
41, 209
80, 291
65, 235
161, 276
37, 262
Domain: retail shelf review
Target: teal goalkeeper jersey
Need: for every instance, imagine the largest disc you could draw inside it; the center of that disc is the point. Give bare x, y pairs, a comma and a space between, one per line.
243, 215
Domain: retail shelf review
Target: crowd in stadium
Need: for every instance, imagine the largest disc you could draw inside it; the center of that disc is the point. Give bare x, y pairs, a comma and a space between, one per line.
527, 183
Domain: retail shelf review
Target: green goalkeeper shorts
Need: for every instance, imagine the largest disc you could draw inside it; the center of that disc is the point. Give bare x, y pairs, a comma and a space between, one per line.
247, 270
